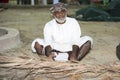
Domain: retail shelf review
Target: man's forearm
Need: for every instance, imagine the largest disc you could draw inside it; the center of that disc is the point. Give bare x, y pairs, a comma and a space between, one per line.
73, 55
75, 49
48, 50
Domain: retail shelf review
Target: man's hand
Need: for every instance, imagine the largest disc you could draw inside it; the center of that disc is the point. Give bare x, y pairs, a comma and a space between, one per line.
52, 56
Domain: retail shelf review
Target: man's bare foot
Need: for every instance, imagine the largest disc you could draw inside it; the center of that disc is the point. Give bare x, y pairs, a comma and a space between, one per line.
73, 59
52, 56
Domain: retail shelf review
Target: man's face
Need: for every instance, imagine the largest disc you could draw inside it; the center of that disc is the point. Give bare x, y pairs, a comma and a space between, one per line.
60, 16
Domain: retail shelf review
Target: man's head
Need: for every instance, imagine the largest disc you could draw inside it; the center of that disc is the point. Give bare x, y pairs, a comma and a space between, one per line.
59, 12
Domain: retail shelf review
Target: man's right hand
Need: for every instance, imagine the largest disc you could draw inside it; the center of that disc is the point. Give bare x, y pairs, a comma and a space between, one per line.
52, 56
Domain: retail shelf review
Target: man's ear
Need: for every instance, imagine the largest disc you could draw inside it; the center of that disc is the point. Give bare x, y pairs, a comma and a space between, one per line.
52, 15
118, 51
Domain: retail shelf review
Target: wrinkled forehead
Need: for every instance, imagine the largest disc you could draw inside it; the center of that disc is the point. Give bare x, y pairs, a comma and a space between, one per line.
58, 7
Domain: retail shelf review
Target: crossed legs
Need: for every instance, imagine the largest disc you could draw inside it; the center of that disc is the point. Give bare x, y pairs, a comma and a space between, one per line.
81, 52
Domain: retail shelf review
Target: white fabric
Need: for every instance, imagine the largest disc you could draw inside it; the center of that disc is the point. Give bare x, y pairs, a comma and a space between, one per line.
82, 40
62, 36
70, 32
61, 57
39, 40
55, 1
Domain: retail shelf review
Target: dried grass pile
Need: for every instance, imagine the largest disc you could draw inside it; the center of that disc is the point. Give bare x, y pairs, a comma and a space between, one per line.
26, 68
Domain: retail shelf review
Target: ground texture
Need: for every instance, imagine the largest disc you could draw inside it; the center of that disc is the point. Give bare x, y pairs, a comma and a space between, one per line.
100, 64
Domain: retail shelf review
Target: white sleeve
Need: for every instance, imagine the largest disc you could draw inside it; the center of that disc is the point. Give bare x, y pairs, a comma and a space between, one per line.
76, 33
47, 35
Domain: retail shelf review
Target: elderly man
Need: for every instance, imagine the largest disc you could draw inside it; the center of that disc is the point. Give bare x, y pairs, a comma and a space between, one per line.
62, 37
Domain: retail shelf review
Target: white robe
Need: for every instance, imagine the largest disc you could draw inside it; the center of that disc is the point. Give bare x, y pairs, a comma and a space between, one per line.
61, 37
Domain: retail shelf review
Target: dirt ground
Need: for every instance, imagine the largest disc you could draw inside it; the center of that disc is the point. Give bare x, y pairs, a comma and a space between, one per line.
30, 23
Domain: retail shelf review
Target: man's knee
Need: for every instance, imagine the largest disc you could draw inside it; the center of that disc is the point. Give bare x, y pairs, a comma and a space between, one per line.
38, 47
87, 44
84, 50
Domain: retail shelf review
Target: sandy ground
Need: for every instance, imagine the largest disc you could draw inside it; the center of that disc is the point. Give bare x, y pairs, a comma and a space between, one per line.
30, 23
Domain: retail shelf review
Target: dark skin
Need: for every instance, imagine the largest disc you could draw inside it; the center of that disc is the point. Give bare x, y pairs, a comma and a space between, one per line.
59, 15
77, 52
38, 48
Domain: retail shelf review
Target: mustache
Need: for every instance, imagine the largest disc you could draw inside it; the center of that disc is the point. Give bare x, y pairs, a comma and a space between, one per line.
61, 20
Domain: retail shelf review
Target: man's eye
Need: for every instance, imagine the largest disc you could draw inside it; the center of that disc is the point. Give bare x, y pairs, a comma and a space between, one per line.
63, 11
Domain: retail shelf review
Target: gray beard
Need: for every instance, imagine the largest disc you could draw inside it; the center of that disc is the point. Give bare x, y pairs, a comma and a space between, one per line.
61, 20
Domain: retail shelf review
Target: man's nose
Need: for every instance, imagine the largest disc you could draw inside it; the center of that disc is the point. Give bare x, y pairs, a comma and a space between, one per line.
60, 15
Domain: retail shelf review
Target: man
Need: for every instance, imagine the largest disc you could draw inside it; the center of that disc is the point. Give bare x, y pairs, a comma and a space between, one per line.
62, 39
